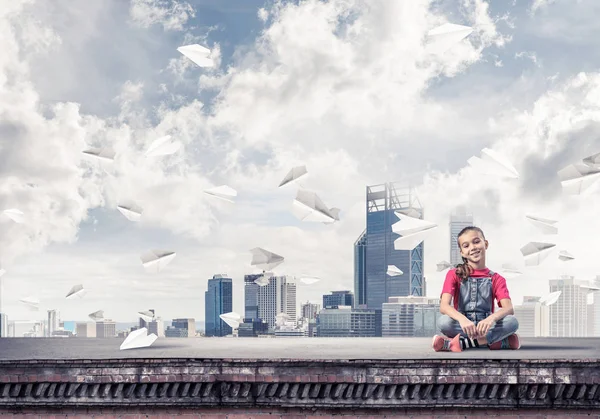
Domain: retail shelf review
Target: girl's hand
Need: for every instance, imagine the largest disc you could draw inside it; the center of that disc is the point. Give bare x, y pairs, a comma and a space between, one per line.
484, 326
468, 327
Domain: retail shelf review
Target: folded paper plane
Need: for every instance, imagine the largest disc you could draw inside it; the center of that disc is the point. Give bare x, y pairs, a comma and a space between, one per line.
97, 315
443, 265
222, 192
551, 298
545, 225
233, 319
412, 231
264, 279
198, 54
146, 315
535, 252
576, 178
309, 207
138, 339
76, 292
156, 260
309, 280
105, 154
15, 214
393, 270
264, 259
32, 303
444, 37
293, 175
163, 146
131, 211
494, 164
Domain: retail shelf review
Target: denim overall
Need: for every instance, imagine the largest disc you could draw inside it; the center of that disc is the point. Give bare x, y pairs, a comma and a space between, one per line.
475, 301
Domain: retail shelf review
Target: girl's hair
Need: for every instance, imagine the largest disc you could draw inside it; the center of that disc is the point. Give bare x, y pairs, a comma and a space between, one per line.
463, 270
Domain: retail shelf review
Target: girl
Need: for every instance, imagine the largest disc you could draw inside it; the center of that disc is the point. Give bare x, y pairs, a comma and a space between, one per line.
471, 322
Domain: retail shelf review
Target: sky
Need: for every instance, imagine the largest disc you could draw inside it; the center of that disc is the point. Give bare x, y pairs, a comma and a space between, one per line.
346, 87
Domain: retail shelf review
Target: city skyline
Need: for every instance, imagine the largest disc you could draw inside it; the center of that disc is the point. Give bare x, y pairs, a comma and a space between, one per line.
360, 102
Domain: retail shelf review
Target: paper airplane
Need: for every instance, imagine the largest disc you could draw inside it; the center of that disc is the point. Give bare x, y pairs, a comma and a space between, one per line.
412, 230
264, 259
32, 303
156, 260
535, 252
106, 153
223, 192
293, 175
198, 54
15, 214
308, 280
146, 315
492, 163
411, 212
163, 146
264, 279
232, 319
309, 207
443, 265
444, 37
97, 315
393, 270
76, 291
335, 212
545, 225
590, 288
578, 177
593, 160
551, 298
138, 339
131, 211
508, 271
565, 256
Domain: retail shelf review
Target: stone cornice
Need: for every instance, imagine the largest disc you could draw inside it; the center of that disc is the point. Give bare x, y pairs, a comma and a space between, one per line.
301, 383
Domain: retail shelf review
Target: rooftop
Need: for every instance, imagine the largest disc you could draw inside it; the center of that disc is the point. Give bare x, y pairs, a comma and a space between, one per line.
288, 348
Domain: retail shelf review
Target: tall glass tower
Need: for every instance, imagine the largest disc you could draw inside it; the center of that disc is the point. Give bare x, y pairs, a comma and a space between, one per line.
375, 248
218, 299
458, 220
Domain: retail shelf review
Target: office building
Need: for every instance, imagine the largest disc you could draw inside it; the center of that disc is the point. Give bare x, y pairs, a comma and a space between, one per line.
596, 309
3, 325
410, 317
348, 322
53, 321
533, 317
251, 296
106, 329
374, 249
181, 328
338, 298
310, 310
279, 296
143, 322
253, 328
458, 220
568, 317
85, 329
218, 299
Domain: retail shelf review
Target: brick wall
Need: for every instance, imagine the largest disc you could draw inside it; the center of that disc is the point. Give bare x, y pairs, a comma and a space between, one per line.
275, 413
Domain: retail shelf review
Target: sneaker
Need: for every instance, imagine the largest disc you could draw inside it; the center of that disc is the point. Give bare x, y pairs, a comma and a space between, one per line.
443, 344
510, 342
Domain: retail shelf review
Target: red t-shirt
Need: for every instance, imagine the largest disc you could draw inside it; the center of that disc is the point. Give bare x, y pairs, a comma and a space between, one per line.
499, 289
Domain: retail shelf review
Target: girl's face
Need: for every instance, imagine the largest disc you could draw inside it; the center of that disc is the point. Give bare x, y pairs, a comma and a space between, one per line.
473, 246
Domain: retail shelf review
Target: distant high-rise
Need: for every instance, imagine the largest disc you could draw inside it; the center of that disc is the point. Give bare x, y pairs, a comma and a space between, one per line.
533, 317
251, 297
310, 310
568, 317
53, 321
218, 299
596, 309
143, 322
181, 328
3, 325
374, 250
106, 329
338, 298
458, 220
360, 273
410, 316
85, 329
279, 296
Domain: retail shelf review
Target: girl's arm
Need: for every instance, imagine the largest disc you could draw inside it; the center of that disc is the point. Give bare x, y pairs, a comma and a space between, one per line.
505, 310
447, 309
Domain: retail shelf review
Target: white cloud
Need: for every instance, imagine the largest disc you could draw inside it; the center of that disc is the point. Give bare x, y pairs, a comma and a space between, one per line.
344, 87
171, 14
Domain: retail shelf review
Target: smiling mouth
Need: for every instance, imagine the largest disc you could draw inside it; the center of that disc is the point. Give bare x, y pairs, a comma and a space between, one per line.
475, 254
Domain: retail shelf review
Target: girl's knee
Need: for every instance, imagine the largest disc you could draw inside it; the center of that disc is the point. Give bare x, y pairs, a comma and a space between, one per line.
446, 324
511, 323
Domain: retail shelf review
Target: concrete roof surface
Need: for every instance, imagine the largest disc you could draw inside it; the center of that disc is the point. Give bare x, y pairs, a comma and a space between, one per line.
288, 348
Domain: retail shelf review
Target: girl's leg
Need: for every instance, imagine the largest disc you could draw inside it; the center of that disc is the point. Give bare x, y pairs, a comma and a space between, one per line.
502, 329
449, 327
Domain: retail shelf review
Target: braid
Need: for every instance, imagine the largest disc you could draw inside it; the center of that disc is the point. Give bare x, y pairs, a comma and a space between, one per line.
463, 270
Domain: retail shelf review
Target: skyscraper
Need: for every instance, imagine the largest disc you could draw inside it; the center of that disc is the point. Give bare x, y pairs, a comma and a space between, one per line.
338, 298
251, 297
310, 310
360, 274
568, 317
375, 247
53, 321
218, 299
279, 296
459, 220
